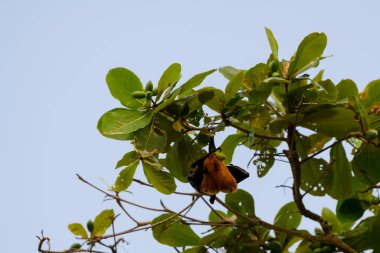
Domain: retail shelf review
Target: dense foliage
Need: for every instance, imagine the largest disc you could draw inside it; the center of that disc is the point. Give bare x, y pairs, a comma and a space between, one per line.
327, 132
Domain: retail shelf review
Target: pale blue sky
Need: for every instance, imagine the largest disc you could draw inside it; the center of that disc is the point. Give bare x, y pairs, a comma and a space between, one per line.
54, 56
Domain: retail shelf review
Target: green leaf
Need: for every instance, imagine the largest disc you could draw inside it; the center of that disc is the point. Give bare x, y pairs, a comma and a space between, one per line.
198, 249
242, 202
264, 161
169, 78
309, 51
330, 92
189, 152
229, 144
366, 164
78, 229
195, 80
319, 76
127, 159
346, 89
120, 122
161, 180
371, 94
151, 138
330, 217
374, 235
122, 83
212, 217
124, 180
229, 72
234, 86
349, 210
172, 232
333, 122
217, 102
216, 239
167, 101
243, 241
288, 216
272, 42
341, 185
102, 222
121, 137
254, 76
317, 142
314, 177
205, 95
166, 125
304, 247
359, 237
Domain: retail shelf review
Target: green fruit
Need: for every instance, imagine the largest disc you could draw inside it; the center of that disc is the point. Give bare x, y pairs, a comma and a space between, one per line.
371, 133
317, 250
149, 86
275, 74
148, 95
327, 249
155, 91
75, 246
275, 246
138, 94
90, 226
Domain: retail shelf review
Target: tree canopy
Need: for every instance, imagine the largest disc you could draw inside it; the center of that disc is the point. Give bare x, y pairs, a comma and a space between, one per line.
326, 132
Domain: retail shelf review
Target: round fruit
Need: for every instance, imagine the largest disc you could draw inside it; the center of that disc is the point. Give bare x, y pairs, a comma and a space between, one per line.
75, 246
371, 133
149, 86
148, 95
138, 94
275, 246
90, 226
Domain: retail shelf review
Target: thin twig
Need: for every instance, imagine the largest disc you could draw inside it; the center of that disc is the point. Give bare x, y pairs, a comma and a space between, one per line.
348, 136
212, 209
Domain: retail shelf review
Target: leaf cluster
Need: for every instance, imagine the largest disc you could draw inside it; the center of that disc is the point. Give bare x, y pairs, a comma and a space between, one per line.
333, 149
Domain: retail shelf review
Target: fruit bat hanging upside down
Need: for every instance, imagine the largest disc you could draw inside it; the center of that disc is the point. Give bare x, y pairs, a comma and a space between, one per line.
209, 175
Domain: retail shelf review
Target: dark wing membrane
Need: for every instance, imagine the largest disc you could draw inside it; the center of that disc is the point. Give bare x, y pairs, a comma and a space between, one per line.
195, 178
238, 173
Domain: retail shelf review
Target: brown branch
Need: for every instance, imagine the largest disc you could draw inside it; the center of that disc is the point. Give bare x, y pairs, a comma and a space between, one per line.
140, 227
178, 193
46, 239
260, 136
212, 209
376, 186
125, 211
118, 198
295, 165
327, 238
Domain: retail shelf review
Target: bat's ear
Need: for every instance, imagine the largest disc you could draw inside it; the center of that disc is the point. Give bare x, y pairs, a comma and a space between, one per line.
238, 173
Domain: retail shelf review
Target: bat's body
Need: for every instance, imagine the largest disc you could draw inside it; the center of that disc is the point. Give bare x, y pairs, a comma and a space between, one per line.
211, 176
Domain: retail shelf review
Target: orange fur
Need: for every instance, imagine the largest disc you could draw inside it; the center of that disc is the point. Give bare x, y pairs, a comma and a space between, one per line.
217, 177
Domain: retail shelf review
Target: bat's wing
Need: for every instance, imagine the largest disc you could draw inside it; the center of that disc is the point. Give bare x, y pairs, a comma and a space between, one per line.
238, 173
197, 171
